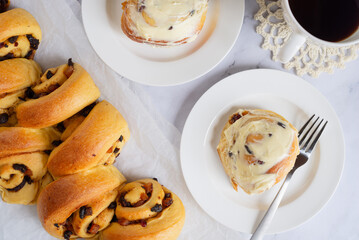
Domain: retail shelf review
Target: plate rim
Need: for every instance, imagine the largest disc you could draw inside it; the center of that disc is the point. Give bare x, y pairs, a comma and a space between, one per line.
275, 74
84, 12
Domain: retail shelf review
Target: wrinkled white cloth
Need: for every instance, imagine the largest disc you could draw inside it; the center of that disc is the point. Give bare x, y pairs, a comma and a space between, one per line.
153, 150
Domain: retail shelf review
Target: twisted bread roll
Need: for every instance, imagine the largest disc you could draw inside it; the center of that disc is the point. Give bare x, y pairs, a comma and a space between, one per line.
163, 22
257, 149
16, 75
146, 210
63, 91
23, 162
20, 34
94, 140
79, 205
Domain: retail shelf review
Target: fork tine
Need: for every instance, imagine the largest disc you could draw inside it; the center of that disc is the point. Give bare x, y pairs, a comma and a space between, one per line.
311, 136
316, 138
307, 132
305, 125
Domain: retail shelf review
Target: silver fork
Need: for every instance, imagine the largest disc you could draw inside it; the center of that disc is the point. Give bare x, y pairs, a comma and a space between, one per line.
306, 147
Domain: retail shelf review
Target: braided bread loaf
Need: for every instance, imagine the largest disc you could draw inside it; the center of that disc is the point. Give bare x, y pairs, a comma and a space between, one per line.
57, 146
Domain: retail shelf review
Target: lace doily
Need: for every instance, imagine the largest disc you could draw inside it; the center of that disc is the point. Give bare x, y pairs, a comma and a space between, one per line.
310, 59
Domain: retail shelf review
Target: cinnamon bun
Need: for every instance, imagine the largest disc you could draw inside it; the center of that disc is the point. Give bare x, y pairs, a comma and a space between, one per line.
146, 210
163, 22
257, 149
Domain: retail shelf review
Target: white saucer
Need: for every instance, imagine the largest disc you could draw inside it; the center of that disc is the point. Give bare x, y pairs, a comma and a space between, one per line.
162, 66
290, 96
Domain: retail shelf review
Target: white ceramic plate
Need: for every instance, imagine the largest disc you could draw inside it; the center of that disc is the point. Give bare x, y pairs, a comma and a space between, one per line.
312, 185
162, 66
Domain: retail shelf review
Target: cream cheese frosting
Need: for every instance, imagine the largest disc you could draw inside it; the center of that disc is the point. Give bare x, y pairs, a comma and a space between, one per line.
166, 20
257, 141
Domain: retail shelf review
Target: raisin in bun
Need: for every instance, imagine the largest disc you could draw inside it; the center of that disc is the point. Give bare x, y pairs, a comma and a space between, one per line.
146, 210
89, 140
257, 149
20, 34
62, 92
80, 205
163, 23
16, 76
4, 4
23, 158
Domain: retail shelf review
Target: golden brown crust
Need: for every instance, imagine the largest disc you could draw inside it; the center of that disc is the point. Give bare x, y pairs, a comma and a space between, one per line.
281, 169
20, 34
18, 73
166, 224
17, 22
91, 140
66, 195
74, 94
15, 140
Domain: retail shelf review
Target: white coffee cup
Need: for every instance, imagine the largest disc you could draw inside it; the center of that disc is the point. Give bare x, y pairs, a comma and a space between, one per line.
300, 35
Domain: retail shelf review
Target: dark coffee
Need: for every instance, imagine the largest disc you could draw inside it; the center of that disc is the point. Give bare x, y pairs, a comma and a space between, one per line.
330, 20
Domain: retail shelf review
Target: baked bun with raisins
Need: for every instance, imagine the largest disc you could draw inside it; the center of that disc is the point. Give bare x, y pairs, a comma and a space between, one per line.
62, 92
80, 205
23, 158
163, 22
20, 34
257, 149
146, 210
16, 76
93, 137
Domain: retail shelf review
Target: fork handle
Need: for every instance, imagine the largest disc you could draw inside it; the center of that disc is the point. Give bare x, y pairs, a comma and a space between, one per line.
266, 220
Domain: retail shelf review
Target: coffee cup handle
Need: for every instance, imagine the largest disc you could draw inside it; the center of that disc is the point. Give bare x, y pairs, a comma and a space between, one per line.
291, 47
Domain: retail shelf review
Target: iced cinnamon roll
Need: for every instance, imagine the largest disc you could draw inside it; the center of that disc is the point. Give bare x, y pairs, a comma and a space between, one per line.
23, 158
146, 210
163, 22
20, 34
257, 149
80, 205
62, 92
16, 77
93, 137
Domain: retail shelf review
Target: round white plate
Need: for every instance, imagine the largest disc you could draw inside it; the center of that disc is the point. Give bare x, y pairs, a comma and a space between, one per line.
312, 185
162, 66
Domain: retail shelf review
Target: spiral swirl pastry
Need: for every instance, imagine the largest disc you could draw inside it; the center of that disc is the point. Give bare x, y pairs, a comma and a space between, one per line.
62, 92
20, 34
16, 76
163, 22
23, 158
146, 210
80, 205
257, 149
91, 140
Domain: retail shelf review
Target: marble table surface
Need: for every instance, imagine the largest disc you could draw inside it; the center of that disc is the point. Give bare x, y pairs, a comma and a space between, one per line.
171, 106
338, 219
